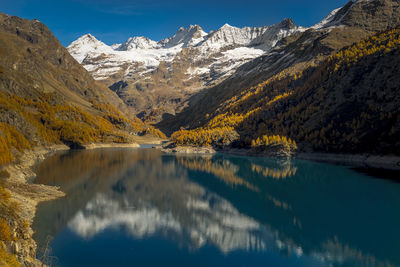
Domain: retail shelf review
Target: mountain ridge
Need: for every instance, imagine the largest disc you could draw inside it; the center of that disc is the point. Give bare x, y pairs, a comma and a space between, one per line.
160, 77
294, 54
332, 107
158, 80
321, 88
331, 88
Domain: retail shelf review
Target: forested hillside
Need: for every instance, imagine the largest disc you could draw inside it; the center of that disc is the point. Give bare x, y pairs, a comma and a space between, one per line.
353, 22
46, 97
348, 103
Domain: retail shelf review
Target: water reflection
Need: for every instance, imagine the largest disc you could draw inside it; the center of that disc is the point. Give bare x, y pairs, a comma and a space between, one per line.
220, 168
319, 213
286, 170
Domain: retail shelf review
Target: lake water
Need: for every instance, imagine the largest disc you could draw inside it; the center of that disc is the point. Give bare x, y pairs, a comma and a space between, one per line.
138, 207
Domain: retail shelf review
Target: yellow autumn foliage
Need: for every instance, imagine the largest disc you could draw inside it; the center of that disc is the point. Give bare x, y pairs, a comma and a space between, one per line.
205, 137
281, 105
267, 140
8, 210
47, 119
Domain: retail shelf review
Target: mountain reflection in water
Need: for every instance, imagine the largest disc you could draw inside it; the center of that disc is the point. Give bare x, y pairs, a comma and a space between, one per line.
302, 212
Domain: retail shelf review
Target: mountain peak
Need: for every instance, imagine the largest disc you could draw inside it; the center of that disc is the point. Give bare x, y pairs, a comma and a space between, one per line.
327, 21
87, 37
86, 44
287, 23
227, 26
190, 28
190, 36
274, 33
138, 42
195, 26
229, 35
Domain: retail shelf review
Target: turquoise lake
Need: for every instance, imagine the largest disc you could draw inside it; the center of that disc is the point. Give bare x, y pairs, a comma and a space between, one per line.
139, 207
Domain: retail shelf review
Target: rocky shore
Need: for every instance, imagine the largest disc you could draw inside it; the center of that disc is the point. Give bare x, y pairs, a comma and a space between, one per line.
274, 151
172, 148
110, 145
28, 195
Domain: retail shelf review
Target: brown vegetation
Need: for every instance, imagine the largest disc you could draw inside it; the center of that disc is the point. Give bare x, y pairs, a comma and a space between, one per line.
8, 211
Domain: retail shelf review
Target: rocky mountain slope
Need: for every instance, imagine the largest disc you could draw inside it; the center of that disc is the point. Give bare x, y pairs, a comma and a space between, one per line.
346, 102
33, 62
158, 77
47, 97
344, 26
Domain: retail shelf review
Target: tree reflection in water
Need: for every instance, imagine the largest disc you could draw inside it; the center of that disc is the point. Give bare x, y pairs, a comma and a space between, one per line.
232, 203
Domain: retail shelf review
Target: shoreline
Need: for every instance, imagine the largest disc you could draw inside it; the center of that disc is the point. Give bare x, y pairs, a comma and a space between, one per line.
387, 162
189, 150
111, 145
28, 195
352, 160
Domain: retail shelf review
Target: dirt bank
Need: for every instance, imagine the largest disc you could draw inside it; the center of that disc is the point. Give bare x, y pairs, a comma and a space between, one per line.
27, 196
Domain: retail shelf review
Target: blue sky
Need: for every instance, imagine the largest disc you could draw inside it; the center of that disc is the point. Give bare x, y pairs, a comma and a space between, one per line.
114, 21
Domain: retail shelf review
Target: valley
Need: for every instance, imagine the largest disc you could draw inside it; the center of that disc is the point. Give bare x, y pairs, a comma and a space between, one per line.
183, 144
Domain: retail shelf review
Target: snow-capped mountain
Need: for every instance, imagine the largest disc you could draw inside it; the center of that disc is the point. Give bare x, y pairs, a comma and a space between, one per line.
87, 44
273, 34
149, 75
155, 78
290, 56
87, 49
229, 35
191, 36
137, 43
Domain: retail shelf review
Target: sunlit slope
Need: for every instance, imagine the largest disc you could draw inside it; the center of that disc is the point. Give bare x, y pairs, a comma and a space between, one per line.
348, 103
353, 22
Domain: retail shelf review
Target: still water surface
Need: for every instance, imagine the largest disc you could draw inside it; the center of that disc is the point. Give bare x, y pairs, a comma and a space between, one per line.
138, 207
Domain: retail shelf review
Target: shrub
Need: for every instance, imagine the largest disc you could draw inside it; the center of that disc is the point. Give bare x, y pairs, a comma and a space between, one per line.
5, 232
7, 258
221, 136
